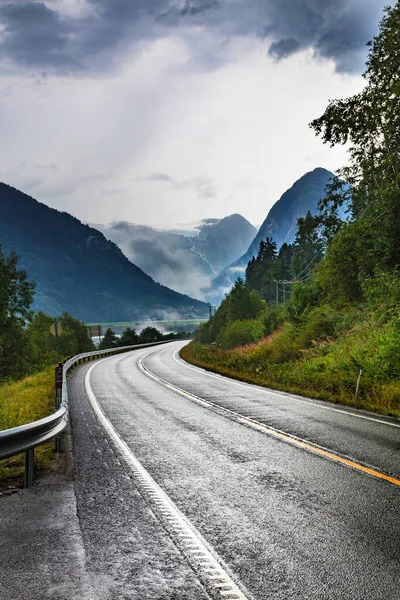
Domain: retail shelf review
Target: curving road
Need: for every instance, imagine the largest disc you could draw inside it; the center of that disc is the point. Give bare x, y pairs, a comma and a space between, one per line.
291, 498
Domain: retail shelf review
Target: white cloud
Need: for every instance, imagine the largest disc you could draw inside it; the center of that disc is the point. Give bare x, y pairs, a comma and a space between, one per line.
231, 139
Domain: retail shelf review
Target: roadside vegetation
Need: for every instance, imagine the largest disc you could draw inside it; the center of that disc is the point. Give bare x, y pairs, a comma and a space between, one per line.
312, 316
26, 343
307, 360
24, 401
29, 353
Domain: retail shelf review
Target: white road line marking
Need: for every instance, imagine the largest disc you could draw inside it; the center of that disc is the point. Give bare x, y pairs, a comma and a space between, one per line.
167, 511
310, 402
273, 431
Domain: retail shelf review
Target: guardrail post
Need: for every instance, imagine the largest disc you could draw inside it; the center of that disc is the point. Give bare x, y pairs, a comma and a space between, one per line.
29, 473
58, 374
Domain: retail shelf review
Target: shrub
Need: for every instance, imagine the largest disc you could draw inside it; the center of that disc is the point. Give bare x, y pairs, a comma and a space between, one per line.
322, 323
239, 333
304, 297
382, 294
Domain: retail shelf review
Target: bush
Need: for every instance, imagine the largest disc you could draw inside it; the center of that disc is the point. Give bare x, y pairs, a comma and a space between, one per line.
149, 335
283, 348
323, 322
304, 297
272, 319
204, 333
382, 295
240, 333
109, 340
129, 337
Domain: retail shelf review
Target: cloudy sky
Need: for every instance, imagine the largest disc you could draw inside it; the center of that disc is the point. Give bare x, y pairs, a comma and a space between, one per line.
166, 111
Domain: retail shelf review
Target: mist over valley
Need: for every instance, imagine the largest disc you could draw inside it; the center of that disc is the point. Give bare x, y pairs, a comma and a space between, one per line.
187, 258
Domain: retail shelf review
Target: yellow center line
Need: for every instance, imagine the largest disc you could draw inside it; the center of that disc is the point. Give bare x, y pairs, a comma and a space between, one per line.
290, 439
316, 450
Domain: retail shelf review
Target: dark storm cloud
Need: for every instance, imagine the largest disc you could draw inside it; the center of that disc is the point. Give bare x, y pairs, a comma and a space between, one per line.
284, 48
113, 24
333, 29
191, 10
34, 34
37, 34
173, 15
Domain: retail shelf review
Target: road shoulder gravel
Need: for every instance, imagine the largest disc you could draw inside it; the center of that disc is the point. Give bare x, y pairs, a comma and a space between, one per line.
41, 549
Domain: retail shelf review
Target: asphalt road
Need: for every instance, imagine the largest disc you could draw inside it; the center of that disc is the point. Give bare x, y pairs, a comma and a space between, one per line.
283, 521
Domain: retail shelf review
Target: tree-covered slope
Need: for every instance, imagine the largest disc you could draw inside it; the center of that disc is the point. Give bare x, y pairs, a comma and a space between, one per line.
281, 222
321, 316
280, 225
77, 269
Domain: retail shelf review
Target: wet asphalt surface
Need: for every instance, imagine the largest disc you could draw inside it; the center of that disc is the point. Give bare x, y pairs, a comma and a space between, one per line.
288, 523
128, 554
332, 426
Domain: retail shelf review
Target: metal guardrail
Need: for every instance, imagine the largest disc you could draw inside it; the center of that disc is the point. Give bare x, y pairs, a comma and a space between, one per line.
26, 437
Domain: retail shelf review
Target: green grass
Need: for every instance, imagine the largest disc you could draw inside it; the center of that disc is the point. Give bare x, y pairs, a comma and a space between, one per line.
326, 369
21, 402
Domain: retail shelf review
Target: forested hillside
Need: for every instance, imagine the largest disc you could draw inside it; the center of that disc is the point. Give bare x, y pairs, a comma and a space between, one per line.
27, 343
77, 270
281, 221
330, 302
280, 226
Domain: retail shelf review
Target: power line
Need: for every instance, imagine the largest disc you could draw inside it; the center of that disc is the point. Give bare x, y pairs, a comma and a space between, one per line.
309, 264
293, 281
307, 276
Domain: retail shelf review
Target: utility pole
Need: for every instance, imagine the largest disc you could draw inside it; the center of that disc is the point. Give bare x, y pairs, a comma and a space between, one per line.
284, 293
277, 292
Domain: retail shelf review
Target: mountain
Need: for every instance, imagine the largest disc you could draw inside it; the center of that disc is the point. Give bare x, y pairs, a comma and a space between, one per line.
220, 240
281, 221
185, 258
280, 225
78, 270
